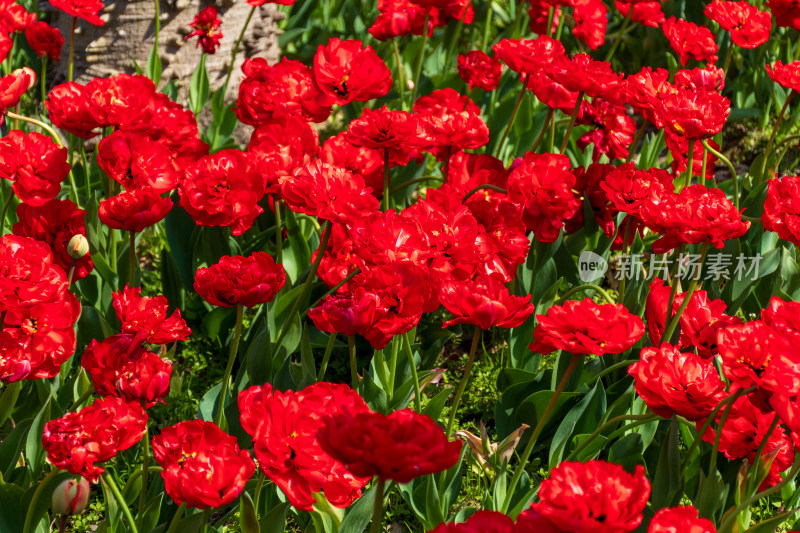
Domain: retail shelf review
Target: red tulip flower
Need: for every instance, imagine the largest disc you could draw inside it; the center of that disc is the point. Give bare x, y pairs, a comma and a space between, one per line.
480, 522
148, 315
28, 276
593, 496
684, 518
339, 151
80, 440
68, 108
347, 71
648, 13
121, 366
528, 56
749, 27
135, 161
584, 327
122, 100
787, 76
484, 302
134, 210
205, 26
400, 447
86, 9
402, 134
284, 428
45, 40
782, 208
591, 22
673, 382
34, 164
247, 281
453, 122
55, 223
690, 40
786, 13
203, 465
479, 70
14, 85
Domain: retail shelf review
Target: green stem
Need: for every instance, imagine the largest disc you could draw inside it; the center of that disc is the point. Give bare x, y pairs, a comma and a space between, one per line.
176, 518
120, 501
618, 39
412, 182
562, 384
386, 190
71, 60
327, 356
730, 399
487, 26
550, 114
205, 519
257, 494
612, 368
414, 376
393, 361
775, 129
421, 59
712, 462
223, 392
351, 348
686, 298
4, 210
336, 287
476, 337
83, 397
511, 120
377, 506
701, 179
646, 417
637, 138
689, 164
401, 75
35, 122
764, 440
144, 471
43, 78
136, 474
732, 169
728, 522
326, 233
276, 203
586, 287
35, 498
571, 125
481, 187
132, 256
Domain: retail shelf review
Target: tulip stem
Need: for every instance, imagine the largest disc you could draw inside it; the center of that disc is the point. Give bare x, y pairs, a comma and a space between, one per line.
43, 78
132, 257
641, 419
386, 190
401, 76
377, 507
278, 230
689, 164
517, 105
326, 233
421, 59
701, 179
176, 518
414, 376
618, 40
4, 210
223, 392
775, 129
35, 498
412, 182
587, 286
732, 169
667, 335
571, 124
120, 500
336, 287
550, 114
464, 379
481, 187
351, 348
71, 62
562, 384
230, 70
35, 122
145, 470
636, 140
730, 399
327, 356
257, 494
205, 519
712, 462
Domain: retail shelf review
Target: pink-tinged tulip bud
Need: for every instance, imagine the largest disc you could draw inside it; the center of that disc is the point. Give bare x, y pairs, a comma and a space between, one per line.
78, 246
71, 496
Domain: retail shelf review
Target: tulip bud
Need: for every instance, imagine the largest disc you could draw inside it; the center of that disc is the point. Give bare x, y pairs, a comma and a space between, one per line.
71, 496
78, 246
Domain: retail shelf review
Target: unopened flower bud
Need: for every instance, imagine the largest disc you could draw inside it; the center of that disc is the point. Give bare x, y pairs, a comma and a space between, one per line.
71, 496
78, 246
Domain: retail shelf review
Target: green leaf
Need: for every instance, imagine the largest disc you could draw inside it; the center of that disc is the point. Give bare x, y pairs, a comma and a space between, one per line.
154, 65
579, 419
13, 517
275, 520
772, 524
199, 87
436, 404
208, 404
248, 520
45, 497
34, 451
8, 400
218, 322
151, 513
12, 445
359, 514
666, 482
